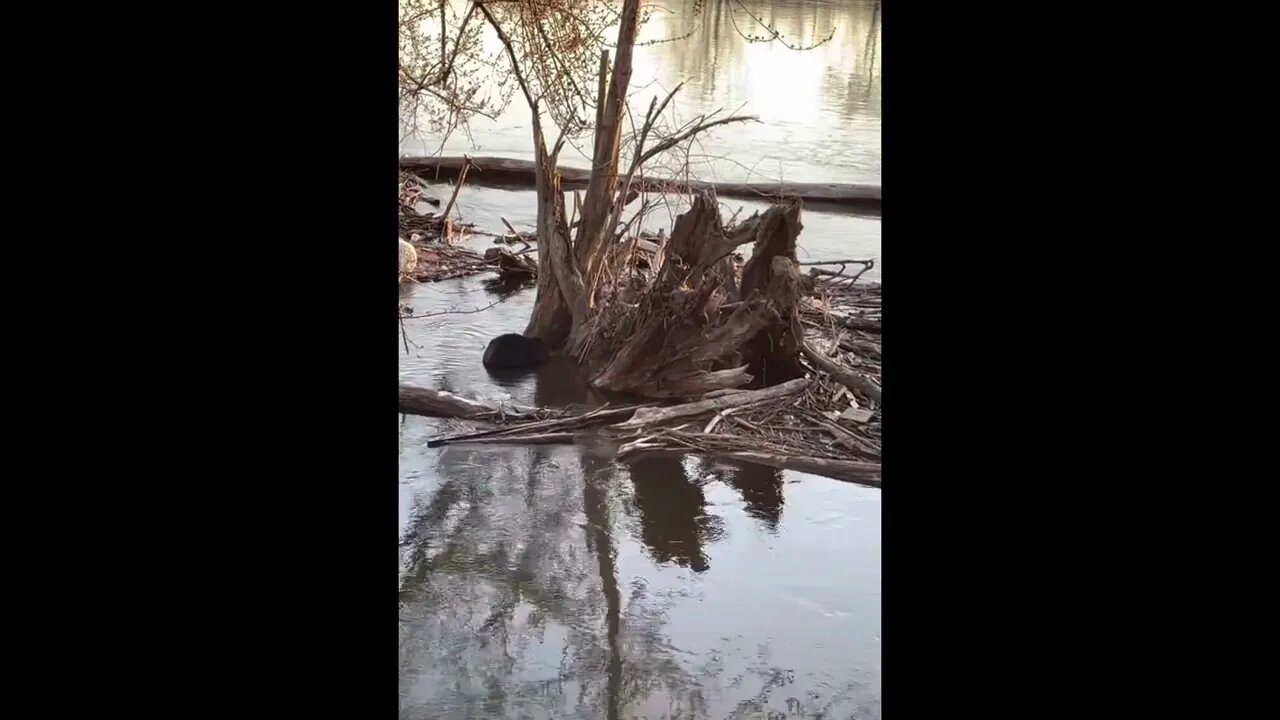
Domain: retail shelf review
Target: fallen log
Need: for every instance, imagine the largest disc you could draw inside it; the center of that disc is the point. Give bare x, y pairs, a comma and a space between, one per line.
857, 323
576, 422
864, 473
854, 382
651, 416
506, 172
438, 403
542, 439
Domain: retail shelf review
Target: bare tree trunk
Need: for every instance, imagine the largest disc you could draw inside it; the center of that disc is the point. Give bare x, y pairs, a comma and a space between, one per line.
598, 202
560, 305
566, 275
438, 403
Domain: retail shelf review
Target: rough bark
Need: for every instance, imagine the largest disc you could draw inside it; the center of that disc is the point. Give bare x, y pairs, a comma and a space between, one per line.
597, 205
560, 303
566, 272
691, 330
574, 423
775, 351
848, 378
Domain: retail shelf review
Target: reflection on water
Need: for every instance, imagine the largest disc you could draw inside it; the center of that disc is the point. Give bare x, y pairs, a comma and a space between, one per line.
761, 489
672, 510
554, 582
551, 582
545, 581
819, 109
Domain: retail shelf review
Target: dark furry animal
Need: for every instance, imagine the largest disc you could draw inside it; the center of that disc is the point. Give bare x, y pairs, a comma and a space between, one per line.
514, 352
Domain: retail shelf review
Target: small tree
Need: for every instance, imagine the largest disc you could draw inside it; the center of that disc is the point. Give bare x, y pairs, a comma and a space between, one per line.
445, 76
551, 47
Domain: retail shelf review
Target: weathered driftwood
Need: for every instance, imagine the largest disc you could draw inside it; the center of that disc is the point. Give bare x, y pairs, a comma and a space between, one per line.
435, 261
511, 267
692, 329
652, 416
508, 172
862, 473
761, 413
865, 473
599, 415
845, 377
772, 270
870, 350
438, 403
538, 439
857, 323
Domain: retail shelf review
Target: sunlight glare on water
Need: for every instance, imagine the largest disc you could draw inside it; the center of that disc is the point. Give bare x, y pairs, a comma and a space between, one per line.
819, 109
554, 582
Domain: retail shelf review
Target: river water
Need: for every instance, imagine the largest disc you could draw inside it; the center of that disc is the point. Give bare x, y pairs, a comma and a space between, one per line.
553, 582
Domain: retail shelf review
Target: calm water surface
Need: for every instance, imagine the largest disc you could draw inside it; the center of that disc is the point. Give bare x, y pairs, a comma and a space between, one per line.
819, 109
553, 582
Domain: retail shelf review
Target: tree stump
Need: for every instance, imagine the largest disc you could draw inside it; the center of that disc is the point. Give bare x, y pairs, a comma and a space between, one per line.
692, 330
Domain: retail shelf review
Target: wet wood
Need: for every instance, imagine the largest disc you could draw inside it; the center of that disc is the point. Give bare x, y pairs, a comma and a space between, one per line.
512, 267
508, 172
863, 473
857, 323
438, 403
651, 416
678, 339
541, 439
848, 378
542, 427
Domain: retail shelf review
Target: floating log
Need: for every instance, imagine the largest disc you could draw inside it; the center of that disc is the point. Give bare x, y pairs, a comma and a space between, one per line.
540, 428
510, 172
540, 439
863, 473
438, 403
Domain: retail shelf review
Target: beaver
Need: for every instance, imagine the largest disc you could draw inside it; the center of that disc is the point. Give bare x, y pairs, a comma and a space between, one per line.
514, 352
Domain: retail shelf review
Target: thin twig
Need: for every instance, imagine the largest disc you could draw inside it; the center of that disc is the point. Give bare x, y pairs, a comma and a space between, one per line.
462, 177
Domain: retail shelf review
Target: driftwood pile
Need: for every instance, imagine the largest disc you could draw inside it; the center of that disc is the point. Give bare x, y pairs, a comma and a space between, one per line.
826, 422
411, 218
767, 364
442, 261
689, 319
432, 236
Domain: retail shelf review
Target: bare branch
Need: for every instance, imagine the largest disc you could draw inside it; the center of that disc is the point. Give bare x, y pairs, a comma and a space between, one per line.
511, 53
671, 142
